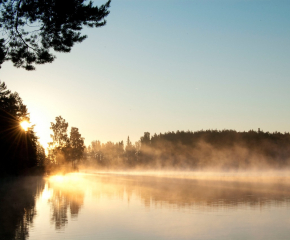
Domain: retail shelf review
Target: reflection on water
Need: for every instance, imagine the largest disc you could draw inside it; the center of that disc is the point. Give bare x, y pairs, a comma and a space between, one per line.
67, 194
183, 193
17, 208
120, 206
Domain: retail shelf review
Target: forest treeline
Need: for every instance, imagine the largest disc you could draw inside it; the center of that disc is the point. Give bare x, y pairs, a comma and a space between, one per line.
205, 149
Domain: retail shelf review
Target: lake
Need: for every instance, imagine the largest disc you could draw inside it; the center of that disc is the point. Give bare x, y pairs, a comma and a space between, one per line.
149, 205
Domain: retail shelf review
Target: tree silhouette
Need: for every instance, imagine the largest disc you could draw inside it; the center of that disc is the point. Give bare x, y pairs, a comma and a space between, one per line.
31, 28
76, 144
64, 149
60, 141
59, 136
12, 104
18, 148
130, 151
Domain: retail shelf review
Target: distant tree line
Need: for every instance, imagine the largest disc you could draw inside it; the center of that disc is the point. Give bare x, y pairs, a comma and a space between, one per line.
19, 149
226, 149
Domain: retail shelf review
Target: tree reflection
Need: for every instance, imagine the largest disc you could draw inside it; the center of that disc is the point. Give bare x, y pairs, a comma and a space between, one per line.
17, 208
67, 194
200, 194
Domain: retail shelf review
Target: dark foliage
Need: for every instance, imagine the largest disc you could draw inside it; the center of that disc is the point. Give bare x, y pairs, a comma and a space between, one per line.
64, 149
18, 148
31, 28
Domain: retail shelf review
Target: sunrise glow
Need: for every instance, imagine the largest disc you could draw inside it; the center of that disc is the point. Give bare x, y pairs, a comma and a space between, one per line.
25, 125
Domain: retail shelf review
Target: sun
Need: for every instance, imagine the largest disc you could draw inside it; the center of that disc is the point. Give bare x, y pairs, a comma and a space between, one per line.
25, 125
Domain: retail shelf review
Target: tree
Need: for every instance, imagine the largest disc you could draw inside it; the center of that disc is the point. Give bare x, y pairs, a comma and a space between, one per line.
130, 152
12, 103
145, 148
60, 140
59, 136
40, 155
32, 28
76, 144
18, 148
64, 149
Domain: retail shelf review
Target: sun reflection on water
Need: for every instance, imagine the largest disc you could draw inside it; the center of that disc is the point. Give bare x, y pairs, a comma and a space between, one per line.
102, 199
47, 193
71, 177
65, 195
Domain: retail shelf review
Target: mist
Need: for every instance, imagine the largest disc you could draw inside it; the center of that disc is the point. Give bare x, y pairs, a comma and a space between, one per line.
209, 150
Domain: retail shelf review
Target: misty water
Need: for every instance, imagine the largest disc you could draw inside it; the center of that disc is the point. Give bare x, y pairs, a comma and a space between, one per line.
146, 206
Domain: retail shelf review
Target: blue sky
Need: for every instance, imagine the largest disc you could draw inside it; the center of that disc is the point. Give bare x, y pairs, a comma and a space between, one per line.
168, 65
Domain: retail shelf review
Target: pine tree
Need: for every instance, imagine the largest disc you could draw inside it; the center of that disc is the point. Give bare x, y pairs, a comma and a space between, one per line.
30, 28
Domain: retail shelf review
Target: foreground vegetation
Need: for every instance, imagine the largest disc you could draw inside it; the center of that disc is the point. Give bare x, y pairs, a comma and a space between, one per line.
21, 153
19, 148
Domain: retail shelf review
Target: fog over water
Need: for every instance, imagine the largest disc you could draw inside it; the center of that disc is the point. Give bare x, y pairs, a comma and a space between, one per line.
205, 150
150, 205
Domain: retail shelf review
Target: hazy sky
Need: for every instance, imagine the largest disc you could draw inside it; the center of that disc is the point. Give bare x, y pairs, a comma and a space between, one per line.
167, 65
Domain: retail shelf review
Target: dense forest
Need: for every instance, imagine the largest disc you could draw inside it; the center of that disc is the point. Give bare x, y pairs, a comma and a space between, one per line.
19, 148
205, 149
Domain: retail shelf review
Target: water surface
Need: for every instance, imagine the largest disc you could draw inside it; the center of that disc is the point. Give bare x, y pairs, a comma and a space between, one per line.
123, 206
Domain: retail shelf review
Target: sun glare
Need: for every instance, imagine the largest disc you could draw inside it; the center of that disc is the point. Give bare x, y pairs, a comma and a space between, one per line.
25, 125
47, 193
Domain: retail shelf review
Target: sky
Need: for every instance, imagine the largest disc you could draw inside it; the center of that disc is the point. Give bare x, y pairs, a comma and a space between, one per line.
167, 65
